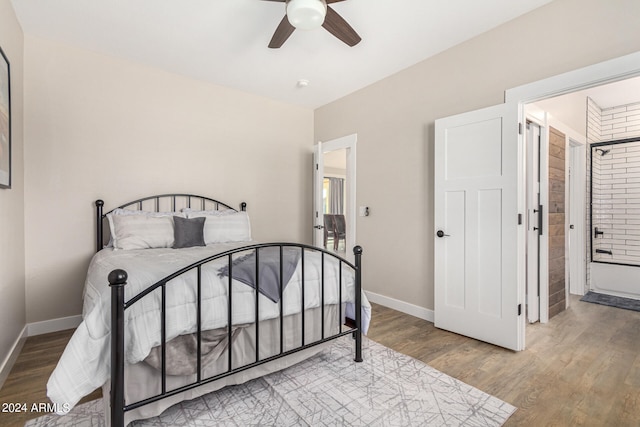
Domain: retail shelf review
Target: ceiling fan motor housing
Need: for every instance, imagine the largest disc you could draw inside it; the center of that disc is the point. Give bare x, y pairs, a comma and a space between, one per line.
306, 14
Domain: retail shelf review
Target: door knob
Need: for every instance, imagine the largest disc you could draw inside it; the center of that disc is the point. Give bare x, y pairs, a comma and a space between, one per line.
440, 233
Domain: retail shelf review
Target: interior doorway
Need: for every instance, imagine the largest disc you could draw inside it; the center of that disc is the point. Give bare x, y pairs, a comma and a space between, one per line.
568, 112
334, 196
334, 210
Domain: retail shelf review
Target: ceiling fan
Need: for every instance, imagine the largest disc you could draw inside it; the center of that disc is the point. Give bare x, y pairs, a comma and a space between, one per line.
311, 14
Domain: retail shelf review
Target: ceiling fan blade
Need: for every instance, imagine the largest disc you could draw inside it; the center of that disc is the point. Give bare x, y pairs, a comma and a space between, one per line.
333, 1
282, 1
284, 30
337, 26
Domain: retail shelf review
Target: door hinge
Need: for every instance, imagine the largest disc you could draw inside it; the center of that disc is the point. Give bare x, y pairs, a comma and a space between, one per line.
519, 309
519, 219
519, 128
316, 166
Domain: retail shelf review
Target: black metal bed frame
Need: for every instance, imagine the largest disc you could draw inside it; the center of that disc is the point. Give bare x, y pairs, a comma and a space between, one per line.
118, 279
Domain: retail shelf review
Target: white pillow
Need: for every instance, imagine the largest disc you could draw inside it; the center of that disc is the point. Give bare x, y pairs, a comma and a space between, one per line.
230, 227
130, 212
141, 231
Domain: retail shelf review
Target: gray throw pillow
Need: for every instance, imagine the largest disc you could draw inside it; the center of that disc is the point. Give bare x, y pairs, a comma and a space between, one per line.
188, 232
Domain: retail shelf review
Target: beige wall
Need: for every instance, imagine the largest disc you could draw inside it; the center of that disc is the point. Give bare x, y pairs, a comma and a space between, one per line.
394, 121
12, 296
101, 127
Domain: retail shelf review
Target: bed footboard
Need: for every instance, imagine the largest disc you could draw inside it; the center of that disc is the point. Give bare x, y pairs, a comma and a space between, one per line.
118, 279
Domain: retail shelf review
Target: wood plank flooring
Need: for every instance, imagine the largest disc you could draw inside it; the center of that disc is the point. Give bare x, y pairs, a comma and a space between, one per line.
27, 382
581, 369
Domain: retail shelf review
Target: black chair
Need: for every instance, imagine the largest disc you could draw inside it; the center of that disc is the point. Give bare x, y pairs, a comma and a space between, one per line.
340, 231
329, 229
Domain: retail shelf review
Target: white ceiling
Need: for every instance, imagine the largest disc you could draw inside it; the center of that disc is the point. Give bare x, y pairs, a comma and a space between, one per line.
225, 41
571, 108
614, 94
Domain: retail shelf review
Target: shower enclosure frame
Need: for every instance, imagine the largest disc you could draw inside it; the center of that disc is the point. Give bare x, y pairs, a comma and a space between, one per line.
595, 146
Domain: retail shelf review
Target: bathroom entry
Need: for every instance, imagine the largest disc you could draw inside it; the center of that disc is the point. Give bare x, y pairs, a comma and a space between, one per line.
593, 118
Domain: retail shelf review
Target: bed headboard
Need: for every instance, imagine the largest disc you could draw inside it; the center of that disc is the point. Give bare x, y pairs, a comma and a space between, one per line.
159, 203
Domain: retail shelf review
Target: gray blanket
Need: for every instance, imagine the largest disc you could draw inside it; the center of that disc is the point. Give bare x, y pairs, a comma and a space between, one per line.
182, 351
244, 270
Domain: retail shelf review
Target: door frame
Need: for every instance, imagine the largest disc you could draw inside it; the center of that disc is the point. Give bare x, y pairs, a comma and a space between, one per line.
598, 74
348, 143
533, 156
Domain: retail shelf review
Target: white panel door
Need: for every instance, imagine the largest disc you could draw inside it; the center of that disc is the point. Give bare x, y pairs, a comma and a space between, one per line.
479, 242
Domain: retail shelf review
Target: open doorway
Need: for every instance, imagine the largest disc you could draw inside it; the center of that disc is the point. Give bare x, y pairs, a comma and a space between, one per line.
334, 205
585, 117
334, 196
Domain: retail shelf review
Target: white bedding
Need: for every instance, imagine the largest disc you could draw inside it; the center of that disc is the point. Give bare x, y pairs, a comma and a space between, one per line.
85, 363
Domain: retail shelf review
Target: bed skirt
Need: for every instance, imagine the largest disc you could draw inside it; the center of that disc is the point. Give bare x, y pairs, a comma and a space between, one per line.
143, 381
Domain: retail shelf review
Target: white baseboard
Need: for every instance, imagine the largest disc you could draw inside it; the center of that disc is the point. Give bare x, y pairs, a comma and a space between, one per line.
405, 307
11, 358
53, 325
31, 329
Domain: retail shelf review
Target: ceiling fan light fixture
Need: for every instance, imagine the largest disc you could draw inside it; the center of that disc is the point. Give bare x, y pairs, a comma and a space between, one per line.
306, 14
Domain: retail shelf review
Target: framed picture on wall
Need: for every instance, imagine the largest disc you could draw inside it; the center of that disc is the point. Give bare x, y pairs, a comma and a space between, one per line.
5, 123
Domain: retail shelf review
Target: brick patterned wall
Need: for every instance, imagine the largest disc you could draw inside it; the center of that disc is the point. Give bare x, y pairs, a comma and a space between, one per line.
616, 182
620, 122
616, 203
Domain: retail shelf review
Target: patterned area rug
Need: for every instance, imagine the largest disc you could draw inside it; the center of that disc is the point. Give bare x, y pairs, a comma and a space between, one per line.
387, 389
611, 301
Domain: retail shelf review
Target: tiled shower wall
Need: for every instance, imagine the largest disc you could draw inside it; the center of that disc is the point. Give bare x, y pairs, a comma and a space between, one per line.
616, 183
620, 122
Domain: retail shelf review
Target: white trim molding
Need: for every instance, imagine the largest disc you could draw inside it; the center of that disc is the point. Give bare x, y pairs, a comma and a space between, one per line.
12, 356
609, 71
53, 325
30, 330
405, 307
